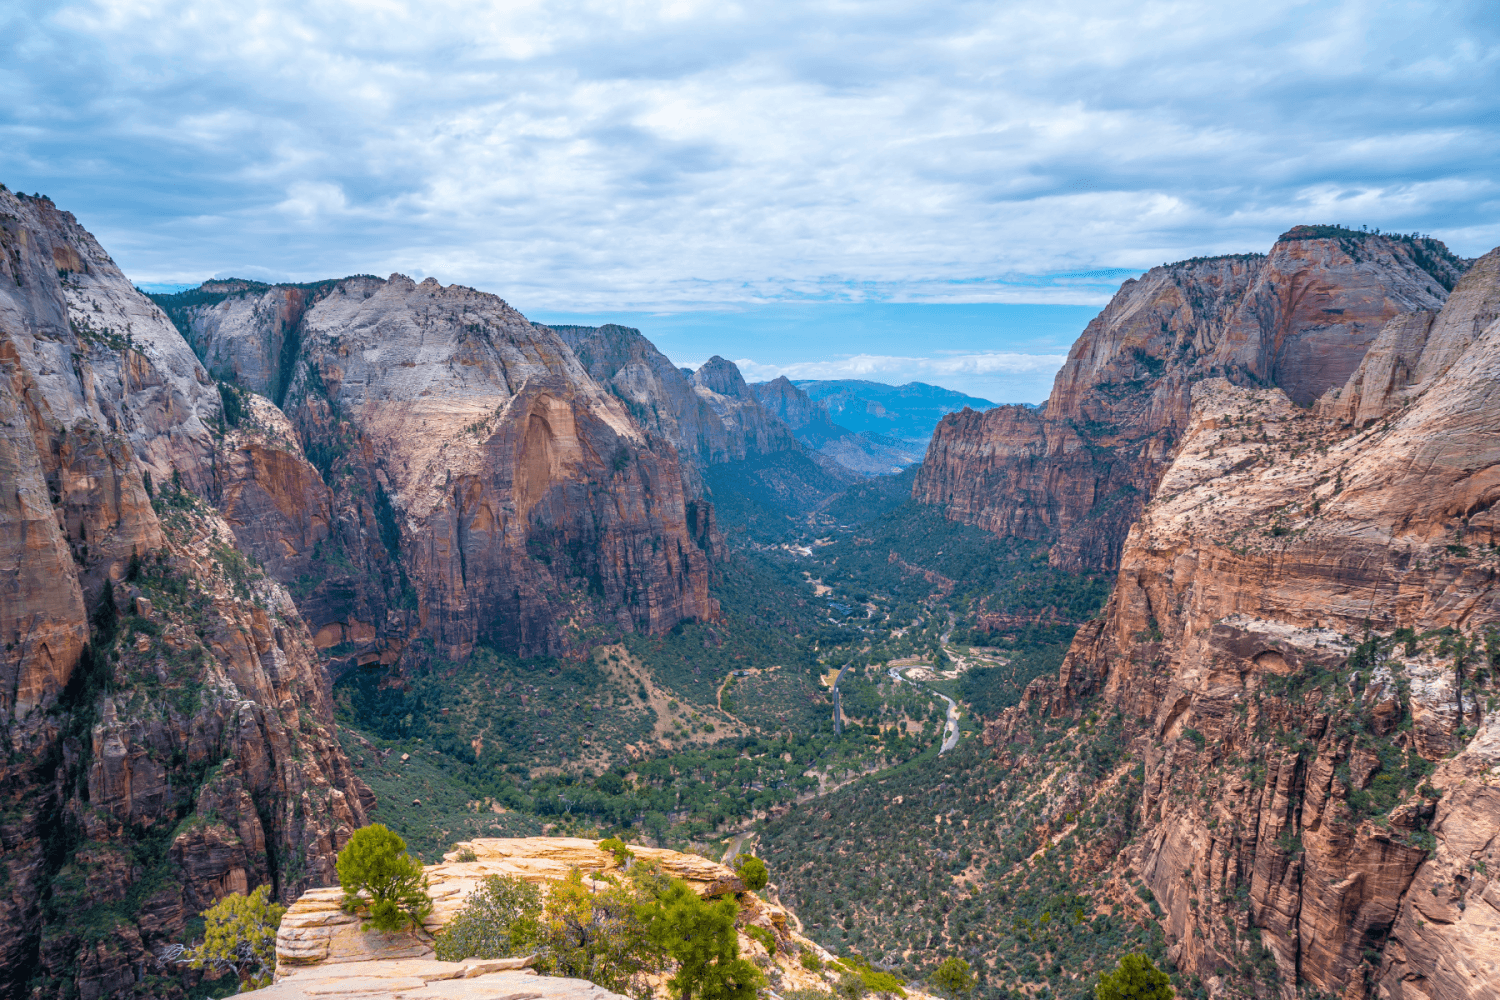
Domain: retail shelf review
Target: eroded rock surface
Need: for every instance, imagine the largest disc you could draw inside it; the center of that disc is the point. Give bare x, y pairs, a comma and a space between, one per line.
1078, 473
169, 725
1317, 782
480, 485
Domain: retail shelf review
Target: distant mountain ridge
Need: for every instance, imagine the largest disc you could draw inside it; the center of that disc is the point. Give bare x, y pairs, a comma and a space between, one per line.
872, 454
907, 412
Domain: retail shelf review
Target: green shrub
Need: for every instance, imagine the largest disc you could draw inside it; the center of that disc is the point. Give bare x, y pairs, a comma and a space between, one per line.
700, 936
376, 873
1135, 978
502, 919
953, 977
600, 934
752, 871
766, 938
811, 962
617, 847
239, 935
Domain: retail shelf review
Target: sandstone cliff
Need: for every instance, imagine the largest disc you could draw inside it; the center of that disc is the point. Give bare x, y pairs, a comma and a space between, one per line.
1303, 645
1078, 473
704, 426
468, 480
168, 721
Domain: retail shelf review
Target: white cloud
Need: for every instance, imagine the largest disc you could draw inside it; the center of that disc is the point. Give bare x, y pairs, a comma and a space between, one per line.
618, 154
887, 368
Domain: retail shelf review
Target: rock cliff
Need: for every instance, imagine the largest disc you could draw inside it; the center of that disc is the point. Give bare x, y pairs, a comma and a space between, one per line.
168, 723
1303, 646
705, 426
465, 480
1077, 473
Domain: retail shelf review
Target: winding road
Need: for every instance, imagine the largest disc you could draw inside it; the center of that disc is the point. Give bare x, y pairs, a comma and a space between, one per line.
950, 728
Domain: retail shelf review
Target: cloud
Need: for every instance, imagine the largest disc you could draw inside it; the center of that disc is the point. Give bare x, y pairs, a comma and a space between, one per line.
886, 368
601, 154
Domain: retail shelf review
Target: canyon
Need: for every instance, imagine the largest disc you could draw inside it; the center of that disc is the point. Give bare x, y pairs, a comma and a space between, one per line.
1274, 749
198, 534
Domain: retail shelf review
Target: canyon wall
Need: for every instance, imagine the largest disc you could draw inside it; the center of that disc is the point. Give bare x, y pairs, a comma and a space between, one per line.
1303, 646
169, 726
465, 479
706, 426
1077, 473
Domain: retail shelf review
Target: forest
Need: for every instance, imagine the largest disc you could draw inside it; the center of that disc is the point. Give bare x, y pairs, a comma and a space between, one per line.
718, 728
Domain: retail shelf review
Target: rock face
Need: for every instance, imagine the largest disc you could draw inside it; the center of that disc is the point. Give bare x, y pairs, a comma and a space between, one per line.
318, 945
665, 399
473, 483
812, 426
1302, 640
169, 725
1078, 473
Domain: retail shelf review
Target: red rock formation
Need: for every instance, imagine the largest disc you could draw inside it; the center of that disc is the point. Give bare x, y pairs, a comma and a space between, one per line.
481, 486
1078, 474
168, 723
1326, 798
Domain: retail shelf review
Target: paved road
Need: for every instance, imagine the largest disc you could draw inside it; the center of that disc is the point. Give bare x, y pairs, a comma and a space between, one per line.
838, 704
736, 846
950, 727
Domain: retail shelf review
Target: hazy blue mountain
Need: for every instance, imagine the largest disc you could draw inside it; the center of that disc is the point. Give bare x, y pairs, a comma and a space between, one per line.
909, 412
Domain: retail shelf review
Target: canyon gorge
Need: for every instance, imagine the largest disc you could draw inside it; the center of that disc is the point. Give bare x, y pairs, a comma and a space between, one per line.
266, 547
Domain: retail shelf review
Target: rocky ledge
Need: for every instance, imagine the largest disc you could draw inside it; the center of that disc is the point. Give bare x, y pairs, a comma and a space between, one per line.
321, 951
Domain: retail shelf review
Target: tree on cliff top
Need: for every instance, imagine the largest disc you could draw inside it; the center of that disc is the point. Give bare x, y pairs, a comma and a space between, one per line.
700, 935
239, 935
502, 919
752, 871
1135, 978
376, 872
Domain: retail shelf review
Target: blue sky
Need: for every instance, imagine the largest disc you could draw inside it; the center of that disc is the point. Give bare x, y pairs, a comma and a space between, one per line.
737, 163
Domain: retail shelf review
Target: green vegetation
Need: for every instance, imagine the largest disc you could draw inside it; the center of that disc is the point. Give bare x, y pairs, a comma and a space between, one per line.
954, 977
1135, 978
501, 919
700, 936
752, 871
239, 936
599, 933
379, 877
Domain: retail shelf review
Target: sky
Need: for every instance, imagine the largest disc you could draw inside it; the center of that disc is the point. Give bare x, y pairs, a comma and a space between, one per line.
769, 182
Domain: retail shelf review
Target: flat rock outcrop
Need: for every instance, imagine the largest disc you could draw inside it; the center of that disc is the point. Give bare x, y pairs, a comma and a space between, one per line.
1300, 640
1077, 473
319, 945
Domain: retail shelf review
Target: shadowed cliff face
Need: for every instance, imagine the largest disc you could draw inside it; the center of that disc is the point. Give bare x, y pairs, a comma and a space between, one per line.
168, 721
479, 485
704, 428
1303, 642
1078, 473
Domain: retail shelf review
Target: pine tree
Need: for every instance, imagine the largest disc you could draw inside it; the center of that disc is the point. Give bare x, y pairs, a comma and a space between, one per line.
700, 936
376, 872
239, 935
1135, 978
